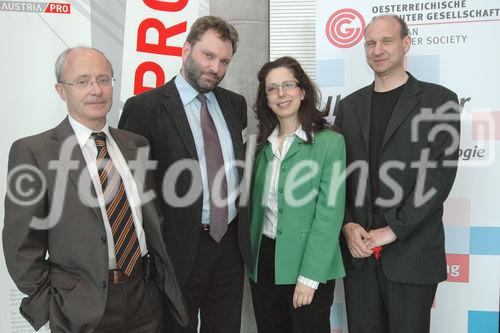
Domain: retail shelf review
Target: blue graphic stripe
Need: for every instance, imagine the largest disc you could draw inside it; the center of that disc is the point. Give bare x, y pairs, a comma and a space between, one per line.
485, 240
483, 322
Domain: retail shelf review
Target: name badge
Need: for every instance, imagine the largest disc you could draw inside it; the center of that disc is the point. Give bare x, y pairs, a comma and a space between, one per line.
244, 135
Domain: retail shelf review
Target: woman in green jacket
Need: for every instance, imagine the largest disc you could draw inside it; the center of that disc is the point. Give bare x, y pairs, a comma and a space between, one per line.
297, 204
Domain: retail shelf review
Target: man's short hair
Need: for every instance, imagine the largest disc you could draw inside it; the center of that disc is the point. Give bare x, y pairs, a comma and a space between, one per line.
61, 60
403, 27
225, 30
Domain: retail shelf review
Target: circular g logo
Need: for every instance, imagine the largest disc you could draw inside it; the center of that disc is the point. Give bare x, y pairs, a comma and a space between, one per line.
345, 37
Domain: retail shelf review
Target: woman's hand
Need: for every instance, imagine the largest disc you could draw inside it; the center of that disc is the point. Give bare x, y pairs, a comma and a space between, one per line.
303, 295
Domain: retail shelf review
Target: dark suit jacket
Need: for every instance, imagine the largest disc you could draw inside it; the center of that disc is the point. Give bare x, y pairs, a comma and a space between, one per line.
69, 288
417, 256
159, 116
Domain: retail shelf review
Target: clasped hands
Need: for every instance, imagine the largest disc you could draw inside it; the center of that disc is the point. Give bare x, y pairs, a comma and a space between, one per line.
361, 242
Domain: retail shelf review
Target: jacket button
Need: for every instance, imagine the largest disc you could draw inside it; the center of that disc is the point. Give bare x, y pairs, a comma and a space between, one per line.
103, 239
104, 283
280, 211
278, 232
280, 190
284, 168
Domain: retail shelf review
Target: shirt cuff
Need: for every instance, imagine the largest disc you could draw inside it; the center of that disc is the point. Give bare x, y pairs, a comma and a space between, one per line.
308, 282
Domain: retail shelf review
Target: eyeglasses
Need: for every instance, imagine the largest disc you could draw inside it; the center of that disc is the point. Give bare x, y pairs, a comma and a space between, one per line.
85, 81
287, 85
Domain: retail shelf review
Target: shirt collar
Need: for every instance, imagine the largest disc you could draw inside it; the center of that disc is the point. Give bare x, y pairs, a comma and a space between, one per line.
299, 132
188, 93
83, 133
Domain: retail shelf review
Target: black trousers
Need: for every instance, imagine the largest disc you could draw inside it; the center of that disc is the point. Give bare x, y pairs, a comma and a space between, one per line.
133, 306
377, 305
214, 287
273, 304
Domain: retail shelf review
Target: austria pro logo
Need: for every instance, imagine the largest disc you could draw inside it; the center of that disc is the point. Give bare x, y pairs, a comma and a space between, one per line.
345, 28
35, 7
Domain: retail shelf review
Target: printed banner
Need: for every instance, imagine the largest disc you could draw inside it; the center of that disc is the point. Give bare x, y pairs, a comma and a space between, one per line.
453, 44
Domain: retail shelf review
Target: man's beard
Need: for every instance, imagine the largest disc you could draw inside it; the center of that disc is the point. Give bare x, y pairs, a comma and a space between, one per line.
194, 72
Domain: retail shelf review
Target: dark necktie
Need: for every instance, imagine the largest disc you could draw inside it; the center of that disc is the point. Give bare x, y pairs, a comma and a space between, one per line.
215, 162
117, 208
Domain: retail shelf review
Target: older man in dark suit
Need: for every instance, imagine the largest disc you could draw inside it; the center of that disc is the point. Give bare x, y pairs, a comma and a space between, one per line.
200, 129
404, 164
88, 250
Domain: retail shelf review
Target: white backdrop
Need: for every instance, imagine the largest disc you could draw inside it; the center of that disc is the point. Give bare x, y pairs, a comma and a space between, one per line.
455, 44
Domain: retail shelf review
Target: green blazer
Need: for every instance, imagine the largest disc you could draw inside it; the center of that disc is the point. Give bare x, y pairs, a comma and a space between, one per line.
307, 236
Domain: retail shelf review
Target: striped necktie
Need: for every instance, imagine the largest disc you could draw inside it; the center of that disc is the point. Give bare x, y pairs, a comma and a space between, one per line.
117, 208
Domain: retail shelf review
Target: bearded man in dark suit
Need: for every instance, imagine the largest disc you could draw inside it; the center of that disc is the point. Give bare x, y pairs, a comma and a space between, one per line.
200, 128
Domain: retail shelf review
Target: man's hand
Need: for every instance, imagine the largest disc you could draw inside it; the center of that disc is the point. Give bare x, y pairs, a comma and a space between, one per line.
380, 237
357, 237
303, 295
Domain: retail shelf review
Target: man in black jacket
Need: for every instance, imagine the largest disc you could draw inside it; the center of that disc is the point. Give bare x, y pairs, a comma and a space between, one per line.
403, 135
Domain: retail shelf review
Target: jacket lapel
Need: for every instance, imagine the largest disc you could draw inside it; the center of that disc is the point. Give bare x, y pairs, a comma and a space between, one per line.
232, 122
268, 152
294, 148
174, 108
363, 111
65, 142
151, 220
406, 102
128, 150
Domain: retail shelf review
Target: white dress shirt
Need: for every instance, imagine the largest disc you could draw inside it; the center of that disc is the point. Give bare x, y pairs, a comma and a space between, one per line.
89, 150
271, 214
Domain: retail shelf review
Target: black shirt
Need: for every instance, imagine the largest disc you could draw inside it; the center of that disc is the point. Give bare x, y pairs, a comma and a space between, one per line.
383, 104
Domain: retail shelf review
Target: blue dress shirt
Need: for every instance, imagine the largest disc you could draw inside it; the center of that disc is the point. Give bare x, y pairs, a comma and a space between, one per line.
192, 108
